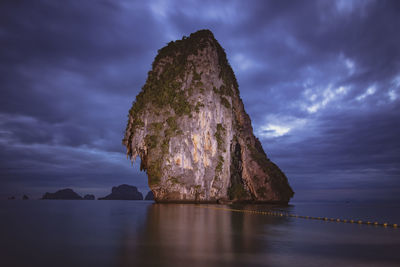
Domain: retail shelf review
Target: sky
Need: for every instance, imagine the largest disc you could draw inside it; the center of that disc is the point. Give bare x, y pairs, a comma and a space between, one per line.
319, 79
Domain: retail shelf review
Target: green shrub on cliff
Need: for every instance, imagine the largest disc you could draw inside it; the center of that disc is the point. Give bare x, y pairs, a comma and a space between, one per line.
219, 135
237, 191
154, 172
225, 102
151, 141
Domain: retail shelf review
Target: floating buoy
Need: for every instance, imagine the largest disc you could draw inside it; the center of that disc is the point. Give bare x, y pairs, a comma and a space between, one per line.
282, 214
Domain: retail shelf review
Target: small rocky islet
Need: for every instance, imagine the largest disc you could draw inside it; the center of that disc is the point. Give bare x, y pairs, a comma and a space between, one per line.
124, 192
89, 197
149, 196
24, 197
65, 194
121, 192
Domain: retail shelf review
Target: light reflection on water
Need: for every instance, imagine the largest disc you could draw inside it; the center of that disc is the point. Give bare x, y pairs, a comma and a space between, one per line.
187, 234
139, 233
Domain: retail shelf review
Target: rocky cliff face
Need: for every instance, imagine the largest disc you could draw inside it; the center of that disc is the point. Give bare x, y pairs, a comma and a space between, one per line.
189, 128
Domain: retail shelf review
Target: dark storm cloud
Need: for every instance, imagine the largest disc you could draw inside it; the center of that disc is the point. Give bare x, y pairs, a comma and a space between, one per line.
68, 69
61, 39
320, 80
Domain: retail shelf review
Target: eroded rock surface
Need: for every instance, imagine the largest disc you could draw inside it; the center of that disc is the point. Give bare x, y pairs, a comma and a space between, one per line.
189, 128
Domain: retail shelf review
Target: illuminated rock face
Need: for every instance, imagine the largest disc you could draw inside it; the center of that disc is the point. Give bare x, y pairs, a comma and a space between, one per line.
189, 128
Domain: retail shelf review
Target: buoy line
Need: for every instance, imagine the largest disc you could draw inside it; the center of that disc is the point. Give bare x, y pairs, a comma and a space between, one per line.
285, 214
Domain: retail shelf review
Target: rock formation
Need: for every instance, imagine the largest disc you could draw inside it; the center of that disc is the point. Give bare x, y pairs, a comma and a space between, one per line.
67, 194
124, 192
189, 128
149, 196
25, 197
89, 197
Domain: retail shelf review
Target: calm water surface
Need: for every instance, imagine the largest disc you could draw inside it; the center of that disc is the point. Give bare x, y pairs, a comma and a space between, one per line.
141, 233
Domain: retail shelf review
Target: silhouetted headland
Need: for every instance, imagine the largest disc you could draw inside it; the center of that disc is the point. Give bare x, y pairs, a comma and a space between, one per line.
149, 196
67, 194
124, 192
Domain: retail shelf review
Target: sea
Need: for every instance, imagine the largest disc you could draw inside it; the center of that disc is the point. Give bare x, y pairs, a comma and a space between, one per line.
143, 233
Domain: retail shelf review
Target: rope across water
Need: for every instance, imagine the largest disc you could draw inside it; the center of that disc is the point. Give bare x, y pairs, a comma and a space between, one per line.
285, 214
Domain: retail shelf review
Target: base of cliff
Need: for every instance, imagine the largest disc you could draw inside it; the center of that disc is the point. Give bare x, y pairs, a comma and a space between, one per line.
221, 202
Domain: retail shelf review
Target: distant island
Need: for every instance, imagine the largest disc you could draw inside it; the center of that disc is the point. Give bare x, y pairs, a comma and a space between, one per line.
24, 197
124, 192
149, 196
89, 197
121, 192
67, 194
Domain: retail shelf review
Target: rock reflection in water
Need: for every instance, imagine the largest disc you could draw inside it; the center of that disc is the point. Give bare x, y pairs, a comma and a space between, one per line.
177, 234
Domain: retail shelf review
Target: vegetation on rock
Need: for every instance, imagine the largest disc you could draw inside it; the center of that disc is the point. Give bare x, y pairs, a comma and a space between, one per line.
183, 97
163, 87
237, 191
219, 135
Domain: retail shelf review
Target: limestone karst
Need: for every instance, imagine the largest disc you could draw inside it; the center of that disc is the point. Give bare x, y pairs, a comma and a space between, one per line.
189, 127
